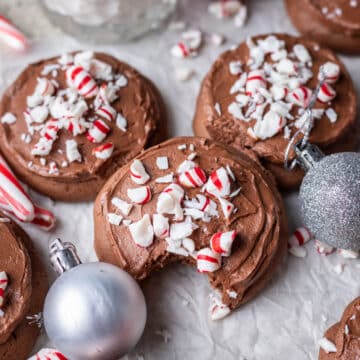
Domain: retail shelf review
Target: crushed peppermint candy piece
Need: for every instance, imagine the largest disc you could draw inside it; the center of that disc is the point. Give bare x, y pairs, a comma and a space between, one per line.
300, 96
161, 226
48, 354
114, 219
331, 115
53, 168
227, 207
107, 112
326, 93
207, 260
122, 205
169, 201
271, 124
235, 67
186, 165
165, 179
142, 231
193, 178
323, 249
331, 72
82, 81
217, 309
224, 9
103, 151
221, 242
349, 254
217, 39
138, 172
140, 195
72, 152
121, 122
3, 285
162, 162
8, 118
98, 132
300, 237
298, 251
219, 183
302, 53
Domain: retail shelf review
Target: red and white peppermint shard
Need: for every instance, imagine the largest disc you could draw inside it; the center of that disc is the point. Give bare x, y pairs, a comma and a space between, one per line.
138, 173
221, 242
169, 201
98, 132
331, 72
11, 36
51, 130
104, 151
219, 183
14, 194
140, 195
326, 93
300, 96
207, 260
255, 81
300, 237
161, 226
74, 126
3, 286
44, 87
181, 50
323, 249
270, 125
193, 178
107, 112
142, 231
82, 81
227, 207
45, 219
49, 354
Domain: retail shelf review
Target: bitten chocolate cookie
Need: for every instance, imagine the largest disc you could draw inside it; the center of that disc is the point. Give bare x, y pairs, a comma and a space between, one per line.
69, 122
254, 97
342, 340
199, 202
333, 23
23, 286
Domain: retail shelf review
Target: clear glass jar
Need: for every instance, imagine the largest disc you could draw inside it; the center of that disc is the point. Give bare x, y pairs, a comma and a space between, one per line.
109, 20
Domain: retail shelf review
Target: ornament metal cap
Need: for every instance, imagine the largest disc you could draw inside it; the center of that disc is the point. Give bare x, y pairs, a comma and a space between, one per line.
63, 256
307, 155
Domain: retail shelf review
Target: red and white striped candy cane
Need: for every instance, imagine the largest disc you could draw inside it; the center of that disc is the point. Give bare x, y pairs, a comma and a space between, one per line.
208, 260
3, 285
255, 81
11, 36
219, 183
98, 132
326, 93
107, 112
300, 96
221, 242
43, 218
48, 354
192, 178
300, 237
82, 81
14, 194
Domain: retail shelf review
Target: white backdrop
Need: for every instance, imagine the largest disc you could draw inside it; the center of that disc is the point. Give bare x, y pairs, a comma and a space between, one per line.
305, 297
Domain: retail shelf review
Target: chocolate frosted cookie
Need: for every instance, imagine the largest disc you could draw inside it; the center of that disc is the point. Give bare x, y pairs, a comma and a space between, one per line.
199, 202
333, 23
342, 340
23, 286
254, 97
69, 122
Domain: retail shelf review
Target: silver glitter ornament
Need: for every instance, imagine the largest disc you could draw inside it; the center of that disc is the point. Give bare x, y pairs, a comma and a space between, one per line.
93, 311
330, 196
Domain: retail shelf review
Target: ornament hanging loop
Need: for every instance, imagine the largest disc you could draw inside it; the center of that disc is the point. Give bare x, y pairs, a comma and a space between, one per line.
307, 155
63, 256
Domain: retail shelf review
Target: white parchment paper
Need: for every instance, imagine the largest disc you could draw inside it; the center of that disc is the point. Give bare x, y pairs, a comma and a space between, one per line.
306, 296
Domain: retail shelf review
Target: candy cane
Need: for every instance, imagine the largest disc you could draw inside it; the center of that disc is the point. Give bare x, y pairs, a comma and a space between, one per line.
221, 242
43, 218
192, 178
3, 285
98, 132
300, 237
14, 194
10, 35
48, 354
207, 260
82, 81
326, 93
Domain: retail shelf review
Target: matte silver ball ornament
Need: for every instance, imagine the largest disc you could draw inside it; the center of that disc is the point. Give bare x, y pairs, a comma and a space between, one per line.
93, 311
330, 197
